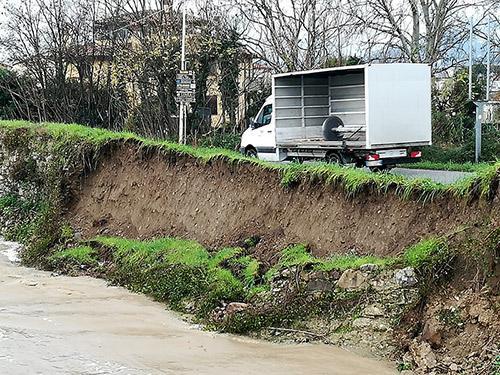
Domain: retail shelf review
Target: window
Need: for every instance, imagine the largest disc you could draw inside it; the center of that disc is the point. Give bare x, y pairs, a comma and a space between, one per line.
265, 116
213, 105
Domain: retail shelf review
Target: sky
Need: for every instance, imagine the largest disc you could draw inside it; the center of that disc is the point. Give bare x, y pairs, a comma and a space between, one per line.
479, 44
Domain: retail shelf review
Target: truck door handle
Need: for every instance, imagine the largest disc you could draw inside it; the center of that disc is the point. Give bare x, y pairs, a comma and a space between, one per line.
269, 131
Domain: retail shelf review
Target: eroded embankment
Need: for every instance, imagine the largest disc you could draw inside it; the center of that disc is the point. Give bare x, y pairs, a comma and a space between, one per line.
77, 197
142, 194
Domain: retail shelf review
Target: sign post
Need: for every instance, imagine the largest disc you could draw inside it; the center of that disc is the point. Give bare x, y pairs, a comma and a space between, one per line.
478, 129
186, 85
186, 93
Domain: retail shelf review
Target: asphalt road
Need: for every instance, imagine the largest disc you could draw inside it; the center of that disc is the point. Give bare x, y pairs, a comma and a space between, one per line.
444, 177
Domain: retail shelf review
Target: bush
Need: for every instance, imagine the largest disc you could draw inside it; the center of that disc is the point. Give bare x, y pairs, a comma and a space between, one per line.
230, 141
490, 150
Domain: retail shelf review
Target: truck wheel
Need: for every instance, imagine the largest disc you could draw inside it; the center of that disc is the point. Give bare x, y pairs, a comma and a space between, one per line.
251, 152
334, 158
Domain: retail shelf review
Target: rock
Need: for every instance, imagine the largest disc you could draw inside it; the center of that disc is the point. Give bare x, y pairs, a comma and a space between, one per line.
454, 367
362, 323
368, 267
78, 236
320, 286
351, 279
235, 307
423, 355
406, 372
431, 333
406, 277
480, 312
373, 311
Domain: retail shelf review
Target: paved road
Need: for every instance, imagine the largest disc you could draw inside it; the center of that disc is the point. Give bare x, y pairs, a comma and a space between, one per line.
61, 325
444, 177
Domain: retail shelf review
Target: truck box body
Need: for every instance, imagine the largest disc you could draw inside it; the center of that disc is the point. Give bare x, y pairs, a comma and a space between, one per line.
380, 106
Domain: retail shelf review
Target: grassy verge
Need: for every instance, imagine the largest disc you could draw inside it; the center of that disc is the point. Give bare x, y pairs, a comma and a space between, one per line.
351, 181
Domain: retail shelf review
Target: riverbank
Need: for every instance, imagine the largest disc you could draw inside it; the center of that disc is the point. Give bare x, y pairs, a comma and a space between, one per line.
61, 324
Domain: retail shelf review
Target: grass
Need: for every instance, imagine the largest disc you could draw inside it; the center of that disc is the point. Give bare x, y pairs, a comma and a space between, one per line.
174, 270
424, 253
417, 254
351, 180
77, 256
344, 262
169, 250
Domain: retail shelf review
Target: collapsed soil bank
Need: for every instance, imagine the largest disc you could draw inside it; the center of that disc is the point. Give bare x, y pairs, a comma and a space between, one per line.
143, 194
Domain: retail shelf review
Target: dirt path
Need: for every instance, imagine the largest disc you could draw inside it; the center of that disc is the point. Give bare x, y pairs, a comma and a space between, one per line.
61, 325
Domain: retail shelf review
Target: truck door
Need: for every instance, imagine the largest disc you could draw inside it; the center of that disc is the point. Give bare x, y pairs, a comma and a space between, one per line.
265, 134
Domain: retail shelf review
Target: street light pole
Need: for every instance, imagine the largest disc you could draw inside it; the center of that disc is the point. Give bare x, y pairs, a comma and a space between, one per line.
488, 62
470, 59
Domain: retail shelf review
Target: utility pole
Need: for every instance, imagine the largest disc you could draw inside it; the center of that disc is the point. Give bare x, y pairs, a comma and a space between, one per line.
182, 105
470, 58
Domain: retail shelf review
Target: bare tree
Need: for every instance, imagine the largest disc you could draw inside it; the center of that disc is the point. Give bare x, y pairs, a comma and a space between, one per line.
295, 34
427, 31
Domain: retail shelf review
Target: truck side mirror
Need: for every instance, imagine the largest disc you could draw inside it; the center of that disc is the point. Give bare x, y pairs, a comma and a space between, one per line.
251, 122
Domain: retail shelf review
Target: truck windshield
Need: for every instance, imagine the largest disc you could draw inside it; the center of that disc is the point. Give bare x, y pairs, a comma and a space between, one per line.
265, 116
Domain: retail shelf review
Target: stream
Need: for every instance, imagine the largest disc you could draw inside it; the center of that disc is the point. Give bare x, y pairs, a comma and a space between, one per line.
62, 325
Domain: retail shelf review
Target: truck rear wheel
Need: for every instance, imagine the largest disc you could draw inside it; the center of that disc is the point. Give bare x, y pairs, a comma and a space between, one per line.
335, 158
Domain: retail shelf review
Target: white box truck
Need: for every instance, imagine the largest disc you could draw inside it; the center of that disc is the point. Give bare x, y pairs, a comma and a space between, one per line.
375, 115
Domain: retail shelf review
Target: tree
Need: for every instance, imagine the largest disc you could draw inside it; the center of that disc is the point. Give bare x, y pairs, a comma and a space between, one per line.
295, 34
419, 31
453, 113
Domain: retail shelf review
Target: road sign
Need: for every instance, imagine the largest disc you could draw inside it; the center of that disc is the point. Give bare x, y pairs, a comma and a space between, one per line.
185, 97
186, 87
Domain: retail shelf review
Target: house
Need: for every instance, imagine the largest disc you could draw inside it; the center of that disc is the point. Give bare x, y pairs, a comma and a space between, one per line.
98, 60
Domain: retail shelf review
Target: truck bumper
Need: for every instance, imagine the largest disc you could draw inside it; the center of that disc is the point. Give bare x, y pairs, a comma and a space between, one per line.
391, 161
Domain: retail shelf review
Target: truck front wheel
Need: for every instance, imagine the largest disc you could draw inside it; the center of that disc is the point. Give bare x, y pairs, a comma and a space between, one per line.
251, 152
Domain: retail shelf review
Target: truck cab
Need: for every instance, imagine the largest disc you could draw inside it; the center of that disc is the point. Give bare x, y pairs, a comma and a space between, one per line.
259, 140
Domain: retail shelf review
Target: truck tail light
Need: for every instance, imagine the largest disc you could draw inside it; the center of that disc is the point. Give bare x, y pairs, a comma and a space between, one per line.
372, 157
416, 154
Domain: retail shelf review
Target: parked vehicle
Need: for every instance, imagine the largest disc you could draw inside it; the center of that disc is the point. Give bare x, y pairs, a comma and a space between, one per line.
376, 115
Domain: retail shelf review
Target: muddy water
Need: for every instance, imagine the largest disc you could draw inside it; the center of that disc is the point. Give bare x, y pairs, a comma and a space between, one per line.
60, 325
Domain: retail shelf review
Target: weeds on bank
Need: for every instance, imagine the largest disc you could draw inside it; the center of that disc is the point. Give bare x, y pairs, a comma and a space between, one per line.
353, 181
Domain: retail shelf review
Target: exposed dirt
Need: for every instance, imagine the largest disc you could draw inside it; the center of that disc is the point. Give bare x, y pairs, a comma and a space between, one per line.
143, 194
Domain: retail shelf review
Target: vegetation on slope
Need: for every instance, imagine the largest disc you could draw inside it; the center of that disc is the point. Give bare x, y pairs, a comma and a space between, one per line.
190, 278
